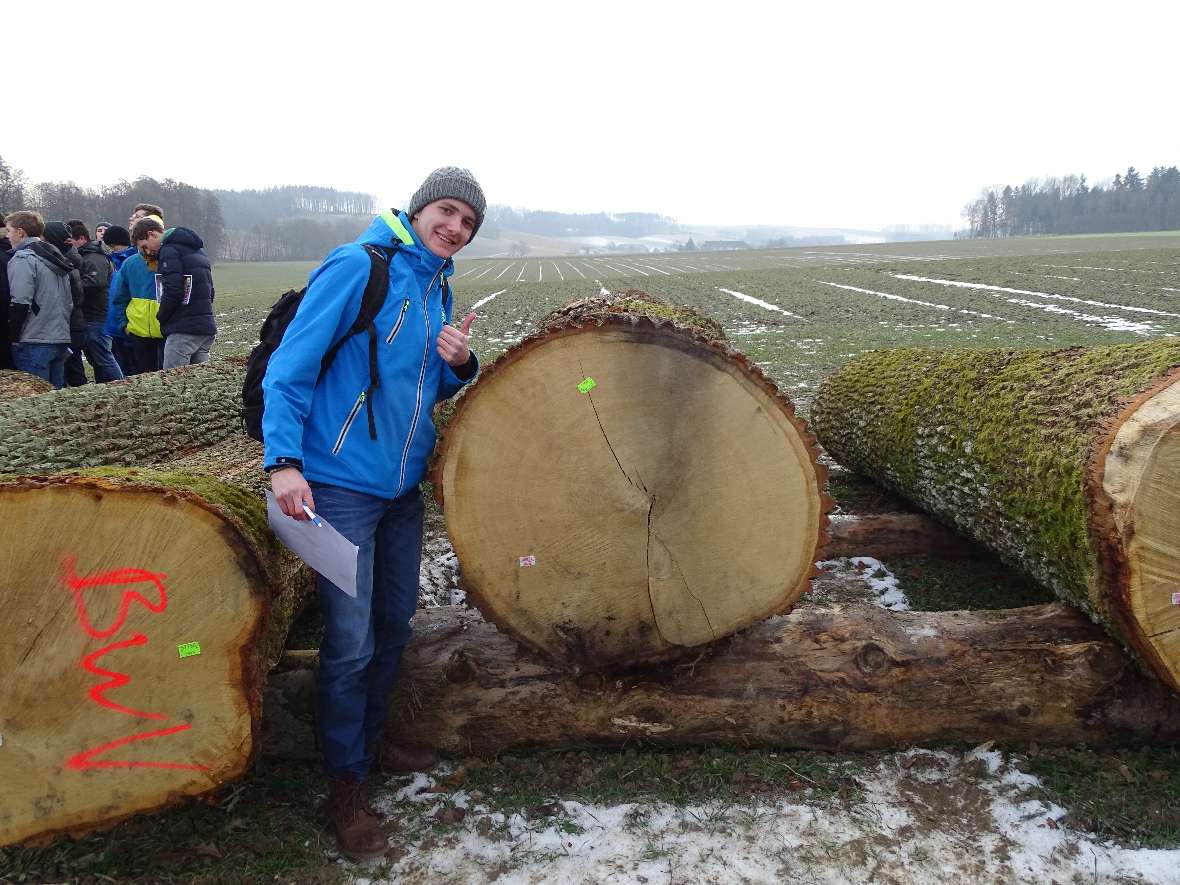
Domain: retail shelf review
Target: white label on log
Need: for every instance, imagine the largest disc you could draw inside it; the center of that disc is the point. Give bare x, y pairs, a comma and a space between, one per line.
526, 561
1176, 599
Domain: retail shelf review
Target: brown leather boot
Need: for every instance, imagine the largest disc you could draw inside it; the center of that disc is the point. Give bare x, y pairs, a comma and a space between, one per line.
353, 821
403, 757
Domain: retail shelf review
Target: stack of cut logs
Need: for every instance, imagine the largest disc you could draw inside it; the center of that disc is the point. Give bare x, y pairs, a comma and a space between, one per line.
637, 509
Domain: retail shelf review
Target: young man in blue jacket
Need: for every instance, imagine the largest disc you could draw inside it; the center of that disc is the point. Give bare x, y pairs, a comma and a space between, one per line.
355, 454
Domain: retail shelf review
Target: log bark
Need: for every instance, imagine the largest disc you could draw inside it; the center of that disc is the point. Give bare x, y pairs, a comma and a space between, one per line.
886, 535
15, 385
621, 486
151, 418
854, 679
107, 709
1066, 463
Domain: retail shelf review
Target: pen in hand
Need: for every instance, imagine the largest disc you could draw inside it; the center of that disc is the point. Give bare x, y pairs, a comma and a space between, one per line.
311, 515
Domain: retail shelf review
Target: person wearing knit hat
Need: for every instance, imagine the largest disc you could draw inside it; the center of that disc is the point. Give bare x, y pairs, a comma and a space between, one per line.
446, 182
348, 444
116, 237
118, 240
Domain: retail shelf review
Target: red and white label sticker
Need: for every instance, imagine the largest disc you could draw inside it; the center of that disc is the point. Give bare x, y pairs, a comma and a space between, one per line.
1176, 599
526, 561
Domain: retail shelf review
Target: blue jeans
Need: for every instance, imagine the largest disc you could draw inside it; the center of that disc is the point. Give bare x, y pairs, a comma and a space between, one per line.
98, 353
363, 638
46, 361
97, 347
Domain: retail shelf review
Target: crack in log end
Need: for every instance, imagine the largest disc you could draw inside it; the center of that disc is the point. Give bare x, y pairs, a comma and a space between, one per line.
606, 439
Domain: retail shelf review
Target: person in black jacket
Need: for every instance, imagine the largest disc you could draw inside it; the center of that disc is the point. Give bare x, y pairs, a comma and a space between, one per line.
96, 281
184, 288
58, 235
5, 297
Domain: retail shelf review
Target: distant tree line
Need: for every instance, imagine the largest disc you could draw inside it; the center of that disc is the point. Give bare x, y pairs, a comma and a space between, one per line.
244, 209
1069, 205
561, 224
291, 223
182, 203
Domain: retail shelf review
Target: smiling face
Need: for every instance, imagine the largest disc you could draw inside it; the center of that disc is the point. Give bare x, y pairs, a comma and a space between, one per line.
444, 226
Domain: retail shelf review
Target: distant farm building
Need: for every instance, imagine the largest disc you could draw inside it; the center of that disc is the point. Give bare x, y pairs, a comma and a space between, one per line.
723, 245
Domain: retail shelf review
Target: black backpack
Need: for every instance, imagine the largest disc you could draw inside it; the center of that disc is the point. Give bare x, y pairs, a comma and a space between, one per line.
280, 316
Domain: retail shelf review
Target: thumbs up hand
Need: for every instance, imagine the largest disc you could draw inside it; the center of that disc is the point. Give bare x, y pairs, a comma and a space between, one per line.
452, 344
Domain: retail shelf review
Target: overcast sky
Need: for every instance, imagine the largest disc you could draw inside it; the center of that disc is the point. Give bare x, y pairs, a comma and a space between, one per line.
840, 114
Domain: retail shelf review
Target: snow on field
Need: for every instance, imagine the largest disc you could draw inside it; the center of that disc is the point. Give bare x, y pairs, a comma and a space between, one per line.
486, 299
758, 301
874, 574
987, 287
923, 817
891, 297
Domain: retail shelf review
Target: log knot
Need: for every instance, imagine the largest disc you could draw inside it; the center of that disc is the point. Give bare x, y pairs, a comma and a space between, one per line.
871, 659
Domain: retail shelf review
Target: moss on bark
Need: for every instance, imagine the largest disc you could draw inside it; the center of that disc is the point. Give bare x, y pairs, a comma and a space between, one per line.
152, 418
995, 442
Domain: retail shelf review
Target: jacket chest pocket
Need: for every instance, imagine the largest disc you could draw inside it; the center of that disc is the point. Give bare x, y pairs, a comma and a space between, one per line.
401, 318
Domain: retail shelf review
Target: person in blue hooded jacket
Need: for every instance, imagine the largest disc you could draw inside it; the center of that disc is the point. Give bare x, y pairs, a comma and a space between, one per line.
354, 455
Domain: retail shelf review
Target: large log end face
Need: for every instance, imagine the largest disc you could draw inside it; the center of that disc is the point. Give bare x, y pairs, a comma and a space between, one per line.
128, 668
1138, 528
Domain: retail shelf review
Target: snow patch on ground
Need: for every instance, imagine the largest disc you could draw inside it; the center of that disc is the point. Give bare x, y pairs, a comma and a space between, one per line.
438, 575
986, 287
882, 582
758, 301
974, 313
926, 817
486, 299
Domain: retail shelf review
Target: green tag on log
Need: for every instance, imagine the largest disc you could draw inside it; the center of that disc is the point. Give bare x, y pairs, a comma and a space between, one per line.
587, 385
188, 649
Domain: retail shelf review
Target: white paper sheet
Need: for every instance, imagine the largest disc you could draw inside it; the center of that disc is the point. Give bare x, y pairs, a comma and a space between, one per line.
320, 546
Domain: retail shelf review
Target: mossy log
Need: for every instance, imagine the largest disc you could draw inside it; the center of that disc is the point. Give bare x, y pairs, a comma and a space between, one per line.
1064, 462
856, 678
142, 611
15, 385
151, 418
621, 486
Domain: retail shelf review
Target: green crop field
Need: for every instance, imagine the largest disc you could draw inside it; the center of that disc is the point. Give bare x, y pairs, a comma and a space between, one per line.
681, 815
800, 312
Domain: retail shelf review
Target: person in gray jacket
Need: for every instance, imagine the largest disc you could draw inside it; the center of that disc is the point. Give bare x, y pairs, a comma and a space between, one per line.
42, 300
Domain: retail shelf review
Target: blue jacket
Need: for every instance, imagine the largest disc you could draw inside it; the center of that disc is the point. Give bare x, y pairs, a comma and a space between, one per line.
117, 259
186, 274
133, 303
325, 425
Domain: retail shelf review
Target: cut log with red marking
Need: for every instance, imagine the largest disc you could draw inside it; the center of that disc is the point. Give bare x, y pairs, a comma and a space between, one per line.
141, 612
849, 678
622, 486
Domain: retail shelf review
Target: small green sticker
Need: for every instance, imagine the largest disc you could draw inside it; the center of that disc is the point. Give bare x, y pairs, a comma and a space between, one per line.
587, 385
189, 649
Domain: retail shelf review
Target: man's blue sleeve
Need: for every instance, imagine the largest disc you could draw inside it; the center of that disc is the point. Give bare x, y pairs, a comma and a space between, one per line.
294, 368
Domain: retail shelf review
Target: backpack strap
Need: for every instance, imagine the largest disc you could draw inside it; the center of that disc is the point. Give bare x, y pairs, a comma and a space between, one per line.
372, 301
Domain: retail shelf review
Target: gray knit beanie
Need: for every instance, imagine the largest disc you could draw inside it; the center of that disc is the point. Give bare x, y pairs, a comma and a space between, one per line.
450, 181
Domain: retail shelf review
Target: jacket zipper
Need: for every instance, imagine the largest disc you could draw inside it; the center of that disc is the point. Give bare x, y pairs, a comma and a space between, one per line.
401, 476
356, 407
400, 317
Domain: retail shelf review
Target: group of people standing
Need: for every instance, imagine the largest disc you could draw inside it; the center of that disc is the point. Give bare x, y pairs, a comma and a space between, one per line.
130, 299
